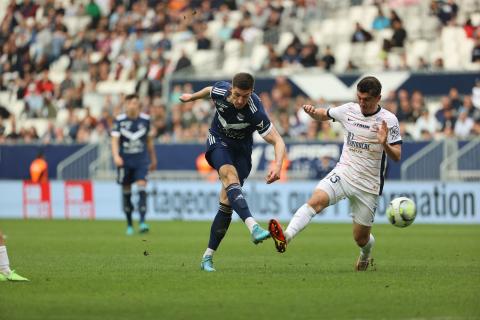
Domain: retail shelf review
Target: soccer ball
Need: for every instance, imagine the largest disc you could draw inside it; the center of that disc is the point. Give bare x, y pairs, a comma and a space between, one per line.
401, 212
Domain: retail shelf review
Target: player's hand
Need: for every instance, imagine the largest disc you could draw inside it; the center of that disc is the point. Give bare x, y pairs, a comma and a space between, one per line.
186, 97
153, 165
273, 174
118, 161
309, 109
382, 133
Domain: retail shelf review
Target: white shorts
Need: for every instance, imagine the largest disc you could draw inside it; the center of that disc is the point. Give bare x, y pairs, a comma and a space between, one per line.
362, 204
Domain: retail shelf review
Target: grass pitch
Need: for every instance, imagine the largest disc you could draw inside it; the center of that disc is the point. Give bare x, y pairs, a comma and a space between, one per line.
91, 270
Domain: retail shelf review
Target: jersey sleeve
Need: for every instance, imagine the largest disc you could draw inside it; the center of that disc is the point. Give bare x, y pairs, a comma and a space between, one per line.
394, 136
260, 119
338, 113
219, 90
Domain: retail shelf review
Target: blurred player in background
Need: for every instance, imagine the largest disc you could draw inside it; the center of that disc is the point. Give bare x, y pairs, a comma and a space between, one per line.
371, 133
5, 273
134, 155
39, 169
239, 113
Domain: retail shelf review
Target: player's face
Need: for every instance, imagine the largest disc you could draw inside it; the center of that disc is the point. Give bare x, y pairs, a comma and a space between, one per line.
367, 102
133, 107
240, 97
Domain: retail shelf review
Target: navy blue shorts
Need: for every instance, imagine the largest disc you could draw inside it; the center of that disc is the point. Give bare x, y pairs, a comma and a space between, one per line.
219, 153
127, 175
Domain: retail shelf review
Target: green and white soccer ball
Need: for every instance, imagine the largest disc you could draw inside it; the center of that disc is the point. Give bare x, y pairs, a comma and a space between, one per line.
401, 212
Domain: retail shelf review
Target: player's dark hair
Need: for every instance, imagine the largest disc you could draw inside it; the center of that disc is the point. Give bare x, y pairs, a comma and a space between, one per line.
131, 96
370, 85
243, 81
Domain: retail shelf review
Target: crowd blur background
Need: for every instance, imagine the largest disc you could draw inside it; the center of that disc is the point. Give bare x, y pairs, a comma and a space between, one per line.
66, 65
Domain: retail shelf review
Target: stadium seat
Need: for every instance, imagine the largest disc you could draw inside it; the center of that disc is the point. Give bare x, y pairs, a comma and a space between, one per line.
116, 87
258, 57
204, 61
233, 48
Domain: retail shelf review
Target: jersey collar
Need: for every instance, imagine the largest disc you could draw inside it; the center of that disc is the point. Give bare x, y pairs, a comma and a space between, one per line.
371, 114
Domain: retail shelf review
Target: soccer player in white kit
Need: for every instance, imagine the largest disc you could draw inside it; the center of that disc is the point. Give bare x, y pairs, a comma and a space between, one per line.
370, 134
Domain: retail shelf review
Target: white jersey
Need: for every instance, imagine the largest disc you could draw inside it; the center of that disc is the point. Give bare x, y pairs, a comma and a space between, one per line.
363, 159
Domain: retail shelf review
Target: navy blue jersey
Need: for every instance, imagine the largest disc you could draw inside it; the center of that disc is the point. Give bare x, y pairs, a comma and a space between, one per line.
133, 134
235, 126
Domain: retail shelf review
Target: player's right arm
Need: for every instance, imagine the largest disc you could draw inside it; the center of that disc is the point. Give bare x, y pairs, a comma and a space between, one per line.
116, 151
202, 94
318, 114
116, 145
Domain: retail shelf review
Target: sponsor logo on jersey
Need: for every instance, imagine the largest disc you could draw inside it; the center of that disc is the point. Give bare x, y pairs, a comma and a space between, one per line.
240, 117
220, 106
361, 125
356, 144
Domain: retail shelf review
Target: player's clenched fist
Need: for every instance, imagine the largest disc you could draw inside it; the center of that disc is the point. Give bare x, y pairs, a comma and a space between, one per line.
309, 109
186, 97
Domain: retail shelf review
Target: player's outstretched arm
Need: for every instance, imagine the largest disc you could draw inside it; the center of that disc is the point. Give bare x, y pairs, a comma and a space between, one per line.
274, 138
319, 114
394, 152
202, 94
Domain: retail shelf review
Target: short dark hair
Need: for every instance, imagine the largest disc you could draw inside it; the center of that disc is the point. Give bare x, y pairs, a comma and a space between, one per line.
243, 80
370, 85
131, 96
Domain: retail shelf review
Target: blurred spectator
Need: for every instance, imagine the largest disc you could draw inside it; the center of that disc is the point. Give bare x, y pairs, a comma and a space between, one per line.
471, 111
444, 107
447, 11
360, 34
476, 94
39, 169
455, 99
471, 31
381, 21
203, 43
328, 60
183, 64
463, 125
404, 133
426, 122
476, 51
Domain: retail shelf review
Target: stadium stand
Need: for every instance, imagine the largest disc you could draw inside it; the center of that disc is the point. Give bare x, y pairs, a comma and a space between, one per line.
65, 65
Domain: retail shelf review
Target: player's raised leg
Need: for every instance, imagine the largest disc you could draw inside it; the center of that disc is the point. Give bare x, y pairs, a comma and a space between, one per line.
6, 274
302, 217
229, 177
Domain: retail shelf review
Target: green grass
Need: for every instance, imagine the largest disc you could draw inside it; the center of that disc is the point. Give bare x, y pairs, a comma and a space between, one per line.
91, 270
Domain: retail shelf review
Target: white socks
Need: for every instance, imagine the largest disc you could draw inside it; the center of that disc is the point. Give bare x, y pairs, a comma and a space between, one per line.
4, 263
366, 249
299, 221
250, 222
209, 252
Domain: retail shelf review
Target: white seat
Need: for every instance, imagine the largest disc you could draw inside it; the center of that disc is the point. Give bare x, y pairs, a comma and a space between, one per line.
258, 57
233, 48
204, 61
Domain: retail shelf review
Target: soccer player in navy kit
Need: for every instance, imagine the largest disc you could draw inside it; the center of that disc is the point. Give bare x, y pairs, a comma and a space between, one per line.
239, 113
134, 155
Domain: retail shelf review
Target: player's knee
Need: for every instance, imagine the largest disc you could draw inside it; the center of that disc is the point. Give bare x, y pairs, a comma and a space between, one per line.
228, 175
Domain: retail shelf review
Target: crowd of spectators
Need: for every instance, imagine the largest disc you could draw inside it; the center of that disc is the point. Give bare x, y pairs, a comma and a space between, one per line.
127, 40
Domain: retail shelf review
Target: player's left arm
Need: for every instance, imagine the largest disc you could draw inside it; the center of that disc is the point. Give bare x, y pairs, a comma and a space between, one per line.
274, 138
151, 152
393, 149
